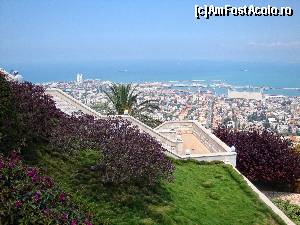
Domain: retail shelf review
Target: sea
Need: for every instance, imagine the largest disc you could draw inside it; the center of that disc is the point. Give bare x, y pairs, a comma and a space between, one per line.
280, 78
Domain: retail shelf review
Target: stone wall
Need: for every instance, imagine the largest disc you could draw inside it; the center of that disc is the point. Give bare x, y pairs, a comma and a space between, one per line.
165, 133
173, 146
213, 143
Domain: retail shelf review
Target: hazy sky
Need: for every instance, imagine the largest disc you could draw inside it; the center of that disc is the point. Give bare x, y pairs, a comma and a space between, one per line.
86, 30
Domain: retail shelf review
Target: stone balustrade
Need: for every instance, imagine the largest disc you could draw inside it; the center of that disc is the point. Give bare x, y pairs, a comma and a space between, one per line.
172, 146
213, 143
219, 150
57, 93
166, 133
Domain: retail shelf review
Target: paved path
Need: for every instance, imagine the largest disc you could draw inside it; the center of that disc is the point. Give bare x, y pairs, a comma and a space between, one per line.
190, 141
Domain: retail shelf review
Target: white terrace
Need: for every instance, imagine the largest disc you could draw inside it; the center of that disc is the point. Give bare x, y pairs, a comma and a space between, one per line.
181, 139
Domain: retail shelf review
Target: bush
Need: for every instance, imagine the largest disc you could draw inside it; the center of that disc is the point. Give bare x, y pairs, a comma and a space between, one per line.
73, 133
27, 197
8, 117
263, 156
291, 210
37, 113
27, 115
128, 154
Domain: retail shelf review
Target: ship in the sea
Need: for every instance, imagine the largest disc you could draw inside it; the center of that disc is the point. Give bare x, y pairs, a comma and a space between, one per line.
123, 70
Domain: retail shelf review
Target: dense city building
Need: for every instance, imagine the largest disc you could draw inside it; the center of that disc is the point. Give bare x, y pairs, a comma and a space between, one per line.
196, 101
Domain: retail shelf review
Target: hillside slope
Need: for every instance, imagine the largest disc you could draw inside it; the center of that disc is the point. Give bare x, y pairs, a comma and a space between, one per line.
200, 194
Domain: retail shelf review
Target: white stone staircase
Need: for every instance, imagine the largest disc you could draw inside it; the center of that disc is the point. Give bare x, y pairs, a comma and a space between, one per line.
70, 105
168, 134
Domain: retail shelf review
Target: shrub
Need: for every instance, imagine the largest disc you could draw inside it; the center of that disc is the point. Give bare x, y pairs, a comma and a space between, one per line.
8, 117
128, 154
27, 197
263, 156
27, 115
73, 133
291, 210
37, 113
31, 117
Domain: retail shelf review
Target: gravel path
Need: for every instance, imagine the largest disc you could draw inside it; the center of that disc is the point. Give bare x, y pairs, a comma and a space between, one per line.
291, 197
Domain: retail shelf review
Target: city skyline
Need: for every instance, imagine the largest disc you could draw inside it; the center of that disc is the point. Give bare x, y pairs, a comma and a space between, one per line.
198, 102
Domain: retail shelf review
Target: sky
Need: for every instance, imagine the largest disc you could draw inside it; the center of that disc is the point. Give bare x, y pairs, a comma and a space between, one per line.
89, 30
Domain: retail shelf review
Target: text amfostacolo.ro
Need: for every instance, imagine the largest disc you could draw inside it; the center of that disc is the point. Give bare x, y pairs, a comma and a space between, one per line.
206, 11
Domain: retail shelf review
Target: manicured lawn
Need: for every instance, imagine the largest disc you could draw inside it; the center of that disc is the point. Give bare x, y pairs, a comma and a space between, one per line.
200, 194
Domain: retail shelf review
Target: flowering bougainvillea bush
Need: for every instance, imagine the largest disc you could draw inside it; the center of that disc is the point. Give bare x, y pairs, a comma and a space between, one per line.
128, 155
263, 156
27, 197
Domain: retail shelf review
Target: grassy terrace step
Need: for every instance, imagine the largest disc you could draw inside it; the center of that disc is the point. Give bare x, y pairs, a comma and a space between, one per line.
200, 194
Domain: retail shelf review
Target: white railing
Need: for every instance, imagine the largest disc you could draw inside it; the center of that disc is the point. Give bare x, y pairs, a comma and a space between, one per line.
210, 141
175, 146
172, 146
77, 104
219, 150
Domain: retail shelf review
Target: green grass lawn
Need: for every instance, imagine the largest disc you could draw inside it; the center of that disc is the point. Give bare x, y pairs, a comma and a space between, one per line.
200, 194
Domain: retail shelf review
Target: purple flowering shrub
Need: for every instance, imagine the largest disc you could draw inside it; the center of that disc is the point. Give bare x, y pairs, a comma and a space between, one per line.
27, 115
263, 156
75, 132
8, 117
37, 113
128, 155
27, 197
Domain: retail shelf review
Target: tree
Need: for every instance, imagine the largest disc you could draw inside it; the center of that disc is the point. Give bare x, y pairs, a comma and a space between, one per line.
125, 97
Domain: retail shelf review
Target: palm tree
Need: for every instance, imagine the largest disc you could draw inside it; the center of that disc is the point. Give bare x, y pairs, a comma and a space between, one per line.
124, 97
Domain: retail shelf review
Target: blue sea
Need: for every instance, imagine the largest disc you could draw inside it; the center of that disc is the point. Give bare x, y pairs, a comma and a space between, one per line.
276, 75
